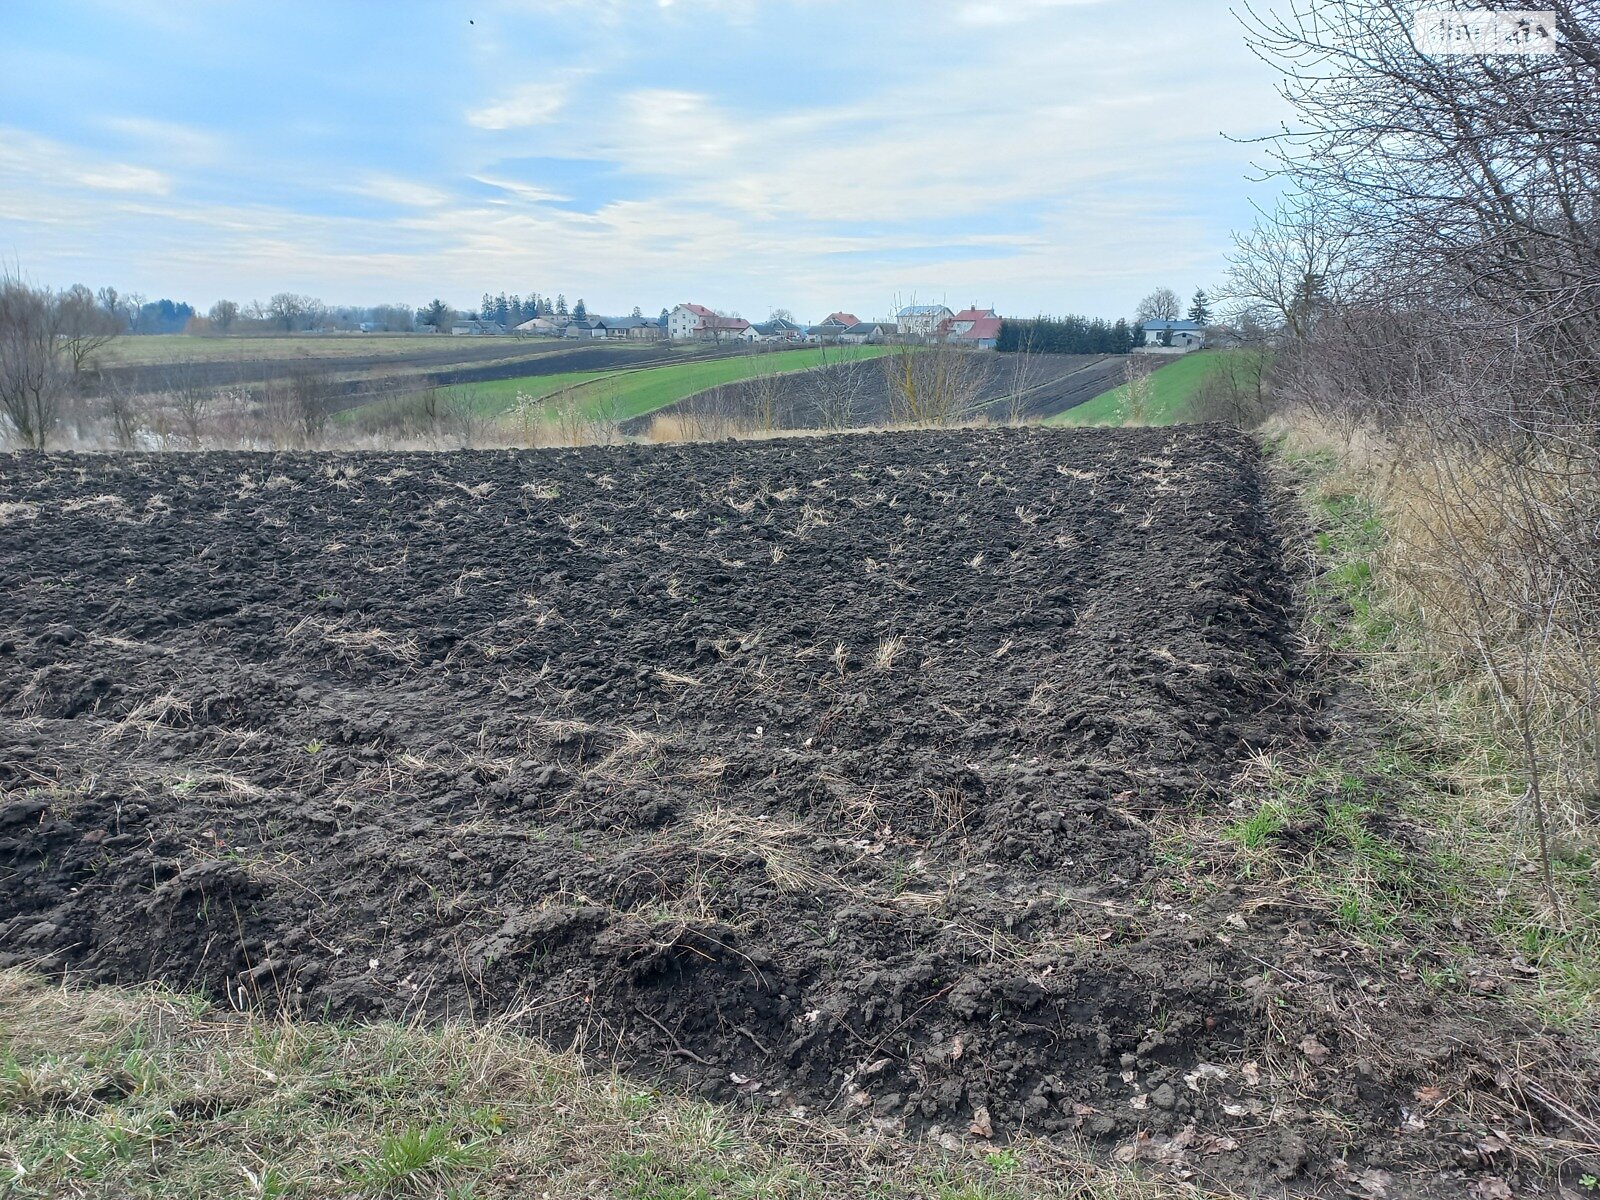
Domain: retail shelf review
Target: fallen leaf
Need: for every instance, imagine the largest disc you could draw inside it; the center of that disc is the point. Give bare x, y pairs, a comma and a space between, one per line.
1430, 1095
1492, 1188
1316, 1053
1140, 1102
957, 1047
1373, 1183
1131, 1151
1493, 1143
1251, 1073
981, 1125
1204, 1073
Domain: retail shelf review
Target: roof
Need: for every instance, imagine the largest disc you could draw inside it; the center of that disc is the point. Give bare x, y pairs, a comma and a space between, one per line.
922, 310
869, 327
1175, 326
710, 320
841, 318
630, 322
777, 326
973, 314
698, 310
983, 329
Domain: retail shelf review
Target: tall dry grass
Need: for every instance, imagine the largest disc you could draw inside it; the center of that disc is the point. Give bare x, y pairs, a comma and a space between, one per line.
1489, 568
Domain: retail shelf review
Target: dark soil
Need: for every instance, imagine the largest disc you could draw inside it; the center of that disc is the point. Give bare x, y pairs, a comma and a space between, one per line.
1046, 384
813, 772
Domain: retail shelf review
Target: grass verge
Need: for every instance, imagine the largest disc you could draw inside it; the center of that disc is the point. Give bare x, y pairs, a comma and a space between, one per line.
141, 1092
1406, 827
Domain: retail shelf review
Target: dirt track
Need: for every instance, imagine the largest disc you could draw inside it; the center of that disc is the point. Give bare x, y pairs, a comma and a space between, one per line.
816, 771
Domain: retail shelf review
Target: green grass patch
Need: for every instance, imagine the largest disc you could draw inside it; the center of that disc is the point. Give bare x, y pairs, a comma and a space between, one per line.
620, 395
144, 1093
1172, 389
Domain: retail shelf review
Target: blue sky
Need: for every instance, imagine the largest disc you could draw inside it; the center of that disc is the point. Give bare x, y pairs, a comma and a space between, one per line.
1038, 155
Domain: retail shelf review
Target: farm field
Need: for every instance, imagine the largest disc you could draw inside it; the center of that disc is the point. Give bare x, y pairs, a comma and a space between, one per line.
629, 393
1173, 385
414, 362
1048, 383
833, 773
182, 347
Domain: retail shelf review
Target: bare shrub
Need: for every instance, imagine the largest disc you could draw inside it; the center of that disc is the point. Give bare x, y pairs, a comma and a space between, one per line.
466, 414
191, 399
935, 385
837, 389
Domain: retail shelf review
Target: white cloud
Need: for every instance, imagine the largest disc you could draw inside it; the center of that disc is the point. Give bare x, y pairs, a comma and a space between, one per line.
527, 192
167, 140
530, 104
404, 192
25, 156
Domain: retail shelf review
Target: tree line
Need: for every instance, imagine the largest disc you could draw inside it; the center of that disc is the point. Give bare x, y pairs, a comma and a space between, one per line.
1067, 335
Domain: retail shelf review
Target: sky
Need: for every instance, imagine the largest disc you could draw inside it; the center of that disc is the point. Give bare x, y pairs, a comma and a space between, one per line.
1034, 155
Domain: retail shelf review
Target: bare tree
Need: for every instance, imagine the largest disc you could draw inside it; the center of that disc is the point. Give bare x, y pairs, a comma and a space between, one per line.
83, 326
1294, 262
1160, 305
32, 381
223, 316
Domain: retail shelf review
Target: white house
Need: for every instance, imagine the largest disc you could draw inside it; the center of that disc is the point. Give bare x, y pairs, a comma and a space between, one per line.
921, 320
685, 321
1180, 335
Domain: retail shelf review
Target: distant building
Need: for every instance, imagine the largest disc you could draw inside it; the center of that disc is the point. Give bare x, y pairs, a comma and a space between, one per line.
921, 320
548, 326
973, 327
864, 332
842, 319
1180, 335
967, 318
684, 321
636, 329
779, 330
472, 327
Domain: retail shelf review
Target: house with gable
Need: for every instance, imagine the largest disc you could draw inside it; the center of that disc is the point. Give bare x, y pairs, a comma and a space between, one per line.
921, 320
1176, 335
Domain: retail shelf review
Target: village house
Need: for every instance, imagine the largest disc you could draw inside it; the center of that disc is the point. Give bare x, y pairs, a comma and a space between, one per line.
978, 328
921, 320
473, 327
779, 330
1179, 335
831, 327
867, 332
684, 321
965, 319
